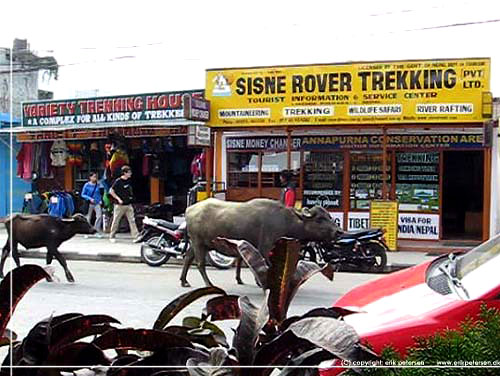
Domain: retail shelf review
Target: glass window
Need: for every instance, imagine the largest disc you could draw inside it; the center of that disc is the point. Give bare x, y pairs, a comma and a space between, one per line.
243, 169
417, 181
323, 173
275, 162
366, 178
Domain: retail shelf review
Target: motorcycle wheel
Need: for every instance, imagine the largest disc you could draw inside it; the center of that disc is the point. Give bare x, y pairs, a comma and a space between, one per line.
219, 260
308, 254
148, 253
379, 254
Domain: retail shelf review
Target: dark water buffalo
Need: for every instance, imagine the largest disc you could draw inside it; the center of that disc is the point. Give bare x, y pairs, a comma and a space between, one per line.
35, 231
260, 221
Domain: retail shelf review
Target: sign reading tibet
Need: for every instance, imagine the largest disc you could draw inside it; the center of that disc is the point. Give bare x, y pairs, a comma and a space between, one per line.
141, 108
424, 91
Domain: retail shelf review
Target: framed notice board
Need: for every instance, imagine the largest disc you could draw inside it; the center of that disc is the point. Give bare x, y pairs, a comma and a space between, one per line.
384, 214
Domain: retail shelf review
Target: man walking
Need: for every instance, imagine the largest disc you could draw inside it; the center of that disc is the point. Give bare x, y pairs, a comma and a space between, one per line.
91, 192
121, 191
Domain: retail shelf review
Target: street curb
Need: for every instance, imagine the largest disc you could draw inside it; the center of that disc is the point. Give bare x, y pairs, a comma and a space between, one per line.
116, 257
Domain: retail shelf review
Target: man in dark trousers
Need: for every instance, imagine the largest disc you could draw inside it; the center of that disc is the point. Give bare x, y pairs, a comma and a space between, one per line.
121, 191
288, 194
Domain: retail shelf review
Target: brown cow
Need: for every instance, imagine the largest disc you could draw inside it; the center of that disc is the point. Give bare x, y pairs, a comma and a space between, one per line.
260, 221
42, 230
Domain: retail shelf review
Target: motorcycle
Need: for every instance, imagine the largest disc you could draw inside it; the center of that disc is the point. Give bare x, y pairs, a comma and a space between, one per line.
363, 250
162, 239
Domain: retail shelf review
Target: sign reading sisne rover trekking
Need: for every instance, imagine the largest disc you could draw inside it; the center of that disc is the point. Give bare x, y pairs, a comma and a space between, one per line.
423, 91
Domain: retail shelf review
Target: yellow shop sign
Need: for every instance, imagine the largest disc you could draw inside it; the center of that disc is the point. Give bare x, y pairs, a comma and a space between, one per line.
424, 91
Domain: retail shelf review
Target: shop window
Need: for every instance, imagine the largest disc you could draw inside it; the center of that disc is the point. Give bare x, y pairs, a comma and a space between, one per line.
417, 181
323, 180
272, 165
243, 170
366, 178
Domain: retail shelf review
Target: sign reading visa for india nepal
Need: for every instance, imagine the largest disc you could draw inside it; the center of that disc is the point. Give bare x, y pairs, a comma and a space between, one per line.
423, 91
138, 108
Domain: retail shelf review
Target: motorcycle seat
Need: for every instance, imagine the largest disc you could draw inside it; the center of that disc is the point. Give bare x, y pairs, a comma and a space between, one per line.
166, 224
359, 233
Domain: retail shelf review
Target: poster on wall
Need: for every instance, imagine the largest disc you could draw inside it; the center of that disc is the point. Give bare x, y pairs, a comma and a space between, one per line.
418, 226
358, 221
384, 214
417, 181
338, 219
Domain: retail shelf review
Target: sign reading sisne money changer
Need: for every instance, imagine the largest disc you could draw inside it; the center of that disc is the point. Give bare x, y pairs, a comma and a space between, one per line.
425, 91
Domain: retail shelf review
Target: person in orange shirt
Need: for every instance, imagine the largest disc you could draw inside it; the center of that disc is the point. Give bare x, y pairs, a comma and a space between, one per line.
288, 194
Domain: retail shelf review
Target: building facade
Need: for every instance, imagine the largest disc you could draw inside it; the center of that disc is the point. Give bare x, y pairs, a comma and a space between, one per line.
417, 132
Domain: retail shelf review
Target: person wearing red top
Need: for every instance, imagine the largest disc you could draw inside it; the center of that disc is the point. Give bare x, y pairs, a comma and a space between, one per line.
288, 193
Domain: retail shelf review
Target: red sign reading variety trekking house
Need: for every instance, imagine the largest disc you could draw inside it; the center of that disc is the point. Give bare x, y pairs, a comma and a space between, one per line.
156, 107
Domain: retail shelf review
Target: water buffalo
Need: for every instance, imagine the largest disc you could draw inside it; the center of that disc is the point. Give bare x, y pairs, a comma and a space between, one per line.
260, 221
35, 231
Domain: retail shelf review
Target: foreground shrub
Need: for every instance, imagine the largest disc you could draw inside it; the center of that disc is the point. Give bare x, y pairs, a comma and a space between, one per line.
475, 343
265, 336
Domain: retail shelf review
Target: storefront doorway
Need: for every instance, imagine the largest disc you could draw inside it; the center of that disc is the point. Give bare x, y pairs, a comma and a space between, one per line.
462, 209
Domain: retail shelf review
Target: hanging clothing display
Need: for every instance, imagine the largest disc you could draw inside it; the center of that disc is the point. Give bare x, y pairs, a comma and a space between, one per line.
59, 153
198, 166
75, 154
61, 205
25, 161
118, 159
45, 165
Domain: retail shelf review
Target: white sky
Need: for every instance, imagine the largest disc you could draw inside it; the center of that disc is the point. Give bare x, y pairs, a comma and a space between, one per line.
178, 40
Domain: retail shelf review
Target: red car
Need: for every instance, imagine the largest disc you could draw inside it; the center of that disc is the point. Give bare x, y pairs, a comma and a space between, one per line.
424, 299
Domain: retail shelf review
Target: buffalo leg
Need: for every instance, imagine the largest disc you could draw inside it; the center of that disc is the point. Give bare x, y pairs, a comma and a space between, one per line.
238, 271
15, 254
201, 261
62, 261
188, 260
49, 258
5, 254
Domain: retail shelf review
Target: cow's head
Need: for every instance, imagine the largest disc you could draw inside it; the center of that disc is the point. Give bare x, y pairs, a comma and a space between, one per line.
317, 224
79, 224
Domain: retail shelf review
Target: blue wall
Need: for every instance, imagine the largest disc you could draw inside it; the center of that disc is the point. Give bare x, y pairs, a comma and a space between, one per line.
19, 186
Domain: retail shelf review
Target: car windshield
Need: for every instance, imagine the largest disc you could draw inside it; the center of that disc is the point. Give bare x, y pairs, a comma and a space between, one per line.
478, 269
478, 256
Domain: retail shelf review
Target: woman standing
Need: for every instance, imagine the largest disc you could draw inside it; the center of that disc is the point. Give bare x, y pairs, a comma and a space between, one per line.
92, 194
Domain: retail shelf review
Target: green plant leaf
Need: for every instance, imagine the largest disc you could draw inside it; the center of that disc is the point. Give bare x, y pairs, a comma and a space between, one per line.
309, 358
139, 339
56, 320
74, 354
332, 335
276, 353
178, 304
23, 278
251, 255
79, 327
218, 362
283, 259
205, 337
35, 346
223, 308
172, 357
252, 321
305, 270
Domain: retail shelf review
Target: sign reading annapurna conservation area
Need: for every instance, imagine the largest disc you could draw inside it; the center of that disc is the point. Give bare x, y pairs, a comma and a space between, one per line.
423, 91
140, 108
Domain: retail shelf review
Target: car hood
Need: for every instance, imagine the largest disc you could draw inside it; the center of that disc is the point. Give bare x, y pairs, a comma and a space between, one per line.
400, 300
374, 290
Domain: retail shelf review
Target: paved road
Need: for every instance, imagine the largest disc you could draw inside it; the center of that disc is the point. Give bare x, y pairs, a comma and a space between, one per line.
135, 293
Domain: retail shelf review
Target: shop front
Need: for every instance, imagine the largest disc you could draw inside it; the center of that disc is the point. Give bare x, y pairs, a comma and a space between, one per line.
68, 139
417, 132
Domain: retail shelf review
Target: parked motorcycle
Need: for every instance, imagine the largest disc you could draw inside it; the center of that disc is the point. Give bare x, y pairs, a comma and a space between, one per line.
363, 250
162, 239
